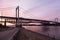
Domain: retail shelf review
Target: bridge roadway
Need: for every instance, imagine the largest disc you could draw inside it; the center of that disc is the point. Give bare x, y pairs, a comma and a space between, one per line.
8, 35
27, 21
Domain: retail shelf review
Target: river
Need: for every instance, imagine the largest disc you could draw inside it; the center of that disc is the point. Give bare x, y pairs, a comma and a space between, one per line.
52, 31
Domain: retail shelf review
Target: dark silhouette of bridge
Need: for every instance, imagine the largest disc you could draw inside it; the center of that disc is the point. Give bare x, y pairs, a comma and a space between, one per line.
29, 22
19, 22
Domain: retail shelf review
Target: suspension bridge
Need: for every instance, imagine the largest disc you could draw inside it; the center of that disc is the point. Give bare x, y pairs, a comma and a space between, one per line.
20, 21
28, 22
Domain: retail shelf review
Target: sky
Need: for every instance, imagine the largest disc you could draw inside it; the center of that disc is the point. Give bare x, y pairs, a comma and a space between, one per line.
37, 9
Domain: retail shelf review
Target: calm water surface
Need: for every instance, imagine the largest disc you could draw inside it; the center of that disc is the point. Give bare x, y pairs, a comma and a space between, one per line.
46, 30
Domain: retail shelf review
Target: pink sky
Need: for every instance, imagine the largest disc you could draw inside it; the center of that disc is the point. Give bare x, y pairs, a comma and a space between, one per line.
37, 9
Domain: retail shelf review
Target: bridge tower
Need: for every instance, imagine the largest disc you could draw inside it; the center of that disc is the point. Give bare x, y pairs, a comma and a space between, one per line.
56, 19
18, 23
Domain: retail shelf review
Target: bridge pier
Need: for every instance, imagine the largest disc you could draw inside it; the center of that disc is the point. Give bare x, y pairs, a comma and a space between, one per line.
5, 23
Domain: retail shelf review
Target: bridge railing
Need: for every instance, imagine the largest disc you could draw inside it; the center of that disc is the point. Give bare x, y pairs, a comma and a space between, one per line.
9, 35
14, 35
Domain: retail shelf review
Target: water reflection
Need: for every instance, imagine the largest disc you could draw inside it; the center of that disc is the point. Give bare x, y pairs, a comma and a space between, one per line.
45, 29
52, 31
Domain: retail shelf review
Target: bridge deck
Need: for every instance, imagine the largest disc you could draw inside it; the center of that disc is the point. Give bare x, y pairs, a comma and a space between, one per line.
8, 35
27, 21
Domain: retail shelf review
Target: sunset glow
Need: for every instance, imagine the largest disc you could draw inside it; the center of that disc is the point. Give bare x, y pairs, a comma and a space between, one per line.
27, 18
8, 24
37, 9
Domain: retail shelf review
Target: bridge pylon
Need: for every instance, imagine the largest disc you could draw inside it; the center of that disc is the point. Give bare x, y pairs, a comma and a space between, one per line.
18, 23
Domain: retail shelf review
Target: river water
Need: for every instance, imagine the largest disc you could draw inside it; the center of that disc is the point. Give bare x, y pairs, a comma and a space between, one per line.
52, 31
